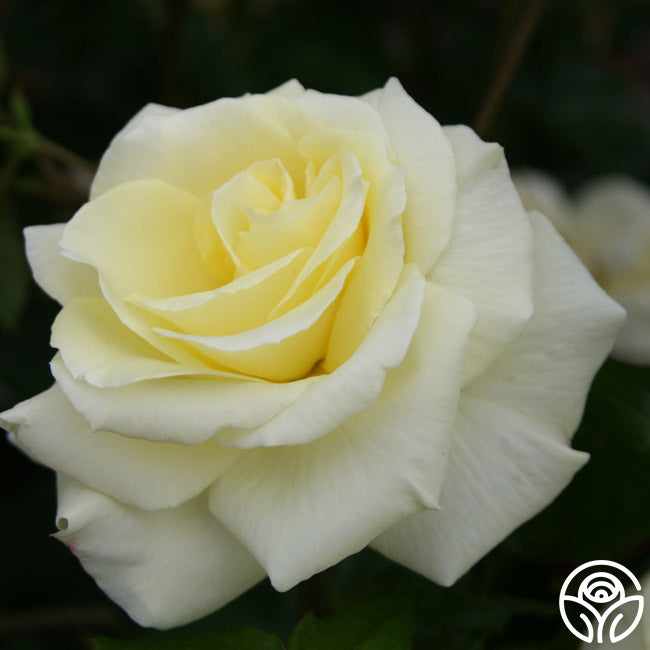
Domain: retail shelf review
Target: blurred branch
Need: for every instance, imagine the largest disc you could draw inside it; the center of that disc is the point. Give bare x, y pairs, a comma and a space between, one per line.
63, 176
511, 60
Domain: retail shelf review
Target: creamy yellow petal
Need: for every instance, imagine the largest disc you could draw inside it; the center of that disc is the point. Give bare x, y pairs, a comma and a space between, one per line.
377, 273
423, 150
285, 349
96, 346
59, 276
302, 227
147, 475
300, 508
140, 238
352, 387
241, 305
186, 412
198, 149
325, 260
339, 111
229, 211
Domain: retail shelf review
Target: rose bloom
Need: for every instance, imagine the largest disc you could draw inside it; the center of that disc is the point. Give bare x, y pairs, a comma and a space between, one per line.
608, 226
294, 325
639, 638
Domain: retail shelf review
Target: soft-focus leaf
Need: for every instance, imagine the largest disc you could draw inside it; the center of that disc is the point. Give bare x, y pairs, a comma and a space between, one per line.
241, 638
385, 623
21, 110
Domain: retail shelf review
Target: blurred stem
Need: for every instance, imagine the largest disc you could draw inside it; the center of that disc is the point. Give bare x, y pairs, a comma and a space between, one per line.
64, 176
511, 60
67, 157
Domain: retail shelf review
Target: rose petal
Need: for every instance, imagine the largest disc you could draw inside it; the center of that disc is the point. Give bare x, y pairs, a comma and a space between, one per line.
353, 386
150, 111
301, 508
288, 89
140, 238
509, 457
341, 240
165, 568
197, 149
99, 348
489, 257
378, 270
339, 111
186, 412
140, 473
284, 349
243, 304
302, 225
59, 276
565, 342
501, 471
423, 150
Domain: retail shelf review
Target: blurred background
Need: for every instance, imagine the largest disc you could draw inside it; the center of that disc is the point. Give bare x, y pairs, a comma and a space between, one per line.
563, 85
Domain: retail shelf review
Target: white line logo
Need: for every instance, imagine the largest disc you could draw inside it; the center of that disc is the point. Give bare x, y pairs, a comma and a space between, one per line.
593, 600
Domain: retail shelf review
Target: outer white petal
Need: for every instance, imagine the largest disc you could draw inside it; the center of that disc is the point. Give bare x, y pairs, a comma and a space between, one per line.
423, 150
197, 149
186, 411
489, 257
501, 472
339, 111
165, 568
288, 89
301, 508
59, 276
509, 457
546, 372
150, 111
144, 474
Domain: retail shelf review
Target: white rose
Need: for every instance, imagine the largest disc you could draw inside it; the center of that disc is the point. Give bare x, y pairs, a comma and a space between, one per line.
295, 325
608, 226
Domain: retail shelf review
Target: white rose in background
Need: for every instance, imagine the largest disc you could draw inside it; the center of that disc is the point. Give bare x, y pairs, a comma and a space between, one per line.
608, 226
295, 325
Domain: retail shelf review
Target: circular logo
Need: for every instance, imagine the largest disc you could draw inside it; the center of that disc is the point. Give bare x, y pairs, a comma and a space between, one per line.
594, 605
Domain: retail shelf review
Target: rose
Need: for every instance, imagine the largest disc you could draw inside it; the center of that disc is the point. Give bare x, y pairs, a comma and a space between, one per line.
608, 226
294, 325
639, 637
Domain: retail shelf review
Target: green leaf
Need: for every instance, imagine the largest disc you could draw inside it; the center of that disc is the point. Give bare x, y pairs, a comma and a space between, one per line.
241, 638
21, 111
605, 508
382, 623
